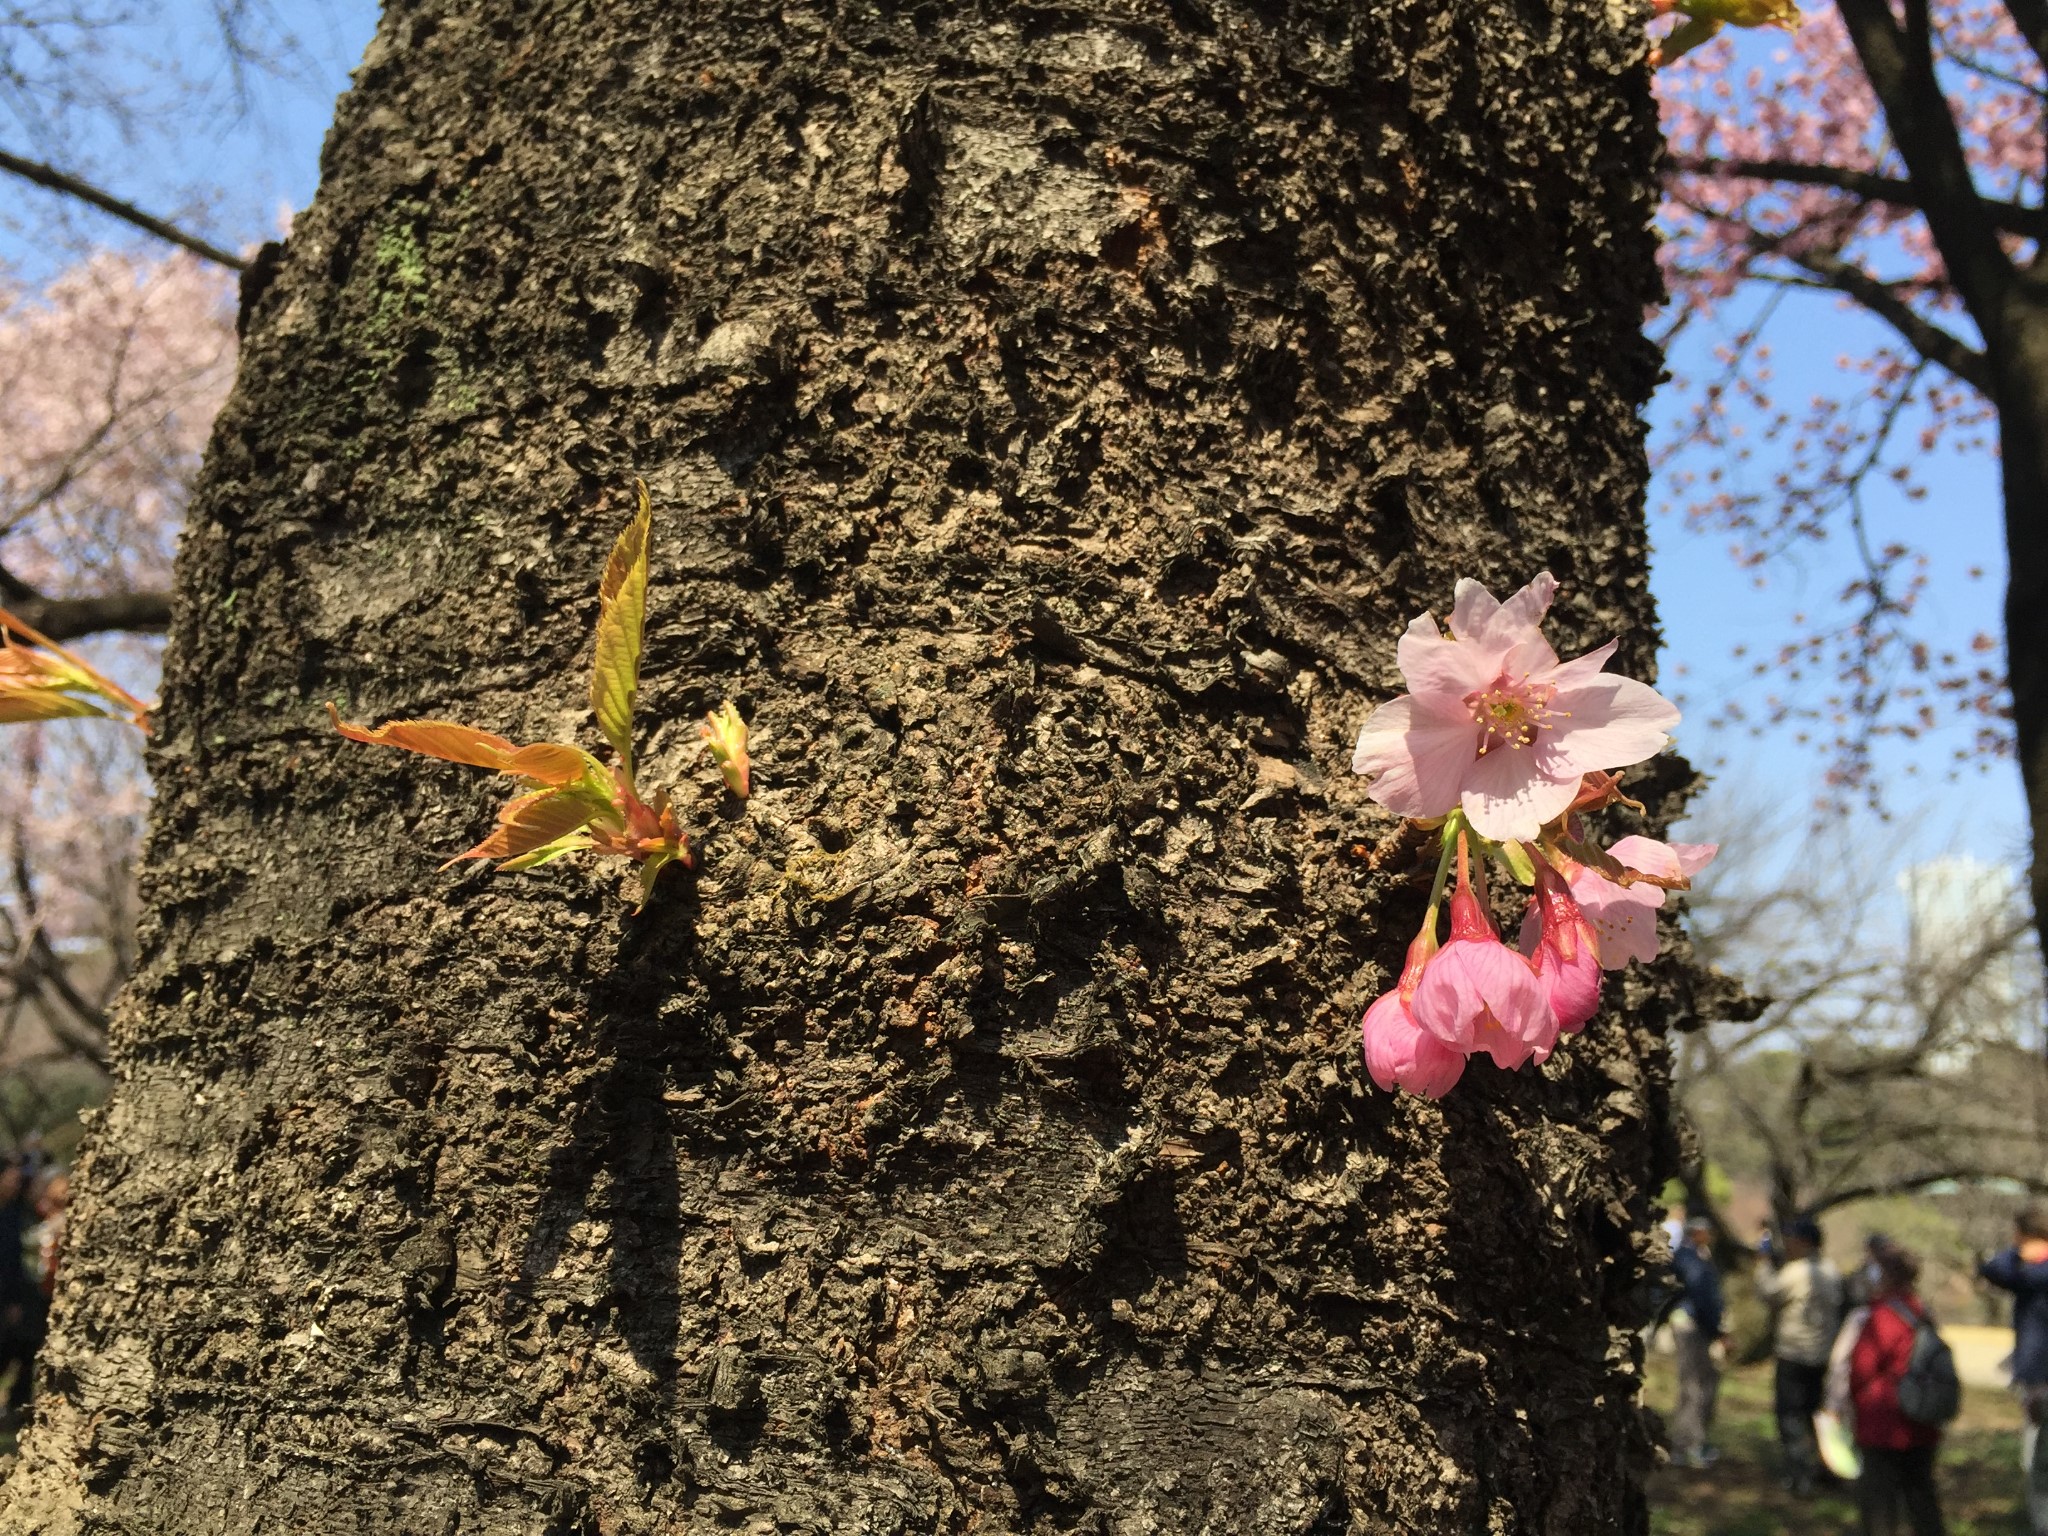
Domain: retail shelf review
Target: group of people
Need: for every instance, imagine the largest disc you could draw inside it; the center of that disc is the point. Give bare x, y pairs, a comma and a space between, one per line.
34, 1197
1857, 1360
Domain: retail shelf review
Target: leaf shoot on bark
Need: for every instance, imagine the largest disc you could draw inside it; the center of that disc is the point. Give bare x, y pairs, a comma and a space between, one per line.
575, 803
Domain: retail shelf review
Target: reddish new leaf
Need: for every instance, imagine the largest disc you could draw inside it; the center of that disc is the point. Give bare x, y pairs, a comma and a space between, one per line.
545, 762
533, 821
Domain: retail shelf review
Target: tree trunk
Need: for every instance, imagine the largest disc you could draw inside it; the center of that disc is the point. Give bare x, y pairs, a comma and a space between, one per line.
2019, 361
1052, 417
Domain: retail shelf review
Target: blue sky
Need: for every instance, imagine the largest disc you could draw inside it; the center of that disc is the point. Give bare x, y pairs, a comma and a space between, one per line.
251, 158
1709, 605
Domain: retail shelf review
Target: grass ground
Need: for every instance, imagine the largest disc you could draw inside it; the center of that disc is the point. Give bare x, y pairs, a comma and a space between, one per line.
1741, 1496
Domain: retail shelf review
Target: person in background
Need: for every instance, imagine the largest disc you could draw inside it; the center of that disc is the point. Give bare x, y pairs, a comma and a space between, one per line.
1898, 1454
1674, 1227
52, 1206
1804, 1293
1858, 1288
1696, 1326
22, 1306
2023, 1270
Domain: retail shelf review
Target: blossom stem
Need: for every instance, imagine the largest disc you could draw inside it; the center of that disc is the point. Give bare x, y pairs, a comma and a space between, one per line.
1454, 826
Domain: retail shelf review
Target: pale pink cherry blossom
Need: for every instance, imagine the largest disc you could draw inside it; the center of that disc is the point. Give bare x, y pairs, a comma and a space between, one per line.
1479, 995
1560, 943
1624, 917
1495, 723
1399, 1053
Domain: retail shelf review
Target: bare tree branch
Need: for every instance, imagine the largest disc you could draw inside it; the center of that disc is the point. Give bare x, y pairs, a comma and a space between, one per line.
2031, 17
66, 618
1925, 337
2014, 218
1961, 1174
60, 181
1884, 300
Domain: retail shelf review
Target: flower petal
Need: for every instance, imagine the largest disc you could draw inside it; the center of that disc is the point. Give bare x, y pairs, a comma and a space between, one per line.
1472, 609
1669, 860
1398, 1054
1565, 676
1478, 988
1507, 795
1623, 918
1419, 753
1531, 658
1610, 722
1476, 617
1432, 665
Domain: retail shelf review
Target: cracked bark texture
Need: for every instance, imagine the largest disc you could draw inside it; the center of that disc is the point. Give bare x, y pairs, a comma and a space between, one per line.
1053, 414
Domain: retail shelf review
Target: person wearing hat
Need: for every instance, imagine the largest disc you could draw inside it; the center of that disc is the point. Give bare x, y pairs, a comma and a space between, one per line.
1804, 1292
1696, 1328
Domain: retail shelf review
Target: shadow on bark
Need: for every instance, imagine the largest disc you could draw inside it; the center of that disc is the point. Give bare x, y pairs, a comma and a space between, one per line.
618, 1164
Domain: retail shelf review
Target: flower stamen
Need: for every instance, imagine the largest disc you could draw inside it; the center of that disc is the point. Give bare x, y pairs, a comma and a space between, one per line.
1513, 712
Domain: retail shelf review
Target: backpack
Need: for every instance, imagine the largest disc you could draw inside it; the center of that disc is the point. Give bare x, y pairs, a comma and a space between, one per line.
1930, 1392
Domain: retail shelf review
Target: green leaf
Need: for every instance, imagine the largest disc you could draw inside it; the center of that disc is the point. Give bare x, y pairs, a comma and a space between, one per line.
622, 609
656, 862
24, 704
1518, 861
547, 853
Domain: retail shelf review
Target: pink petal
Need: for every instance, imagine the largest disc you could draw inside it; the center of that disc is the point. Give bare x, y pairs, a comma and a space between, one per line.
1480, 995
1526, 609
1532, 658
1694, 857
1612, 722
1669, 860
1420, 754
1400, 1055
1572, 987
1565, 676
1623, 918
1432, 665
1475, 616
1472, 609
1506, 795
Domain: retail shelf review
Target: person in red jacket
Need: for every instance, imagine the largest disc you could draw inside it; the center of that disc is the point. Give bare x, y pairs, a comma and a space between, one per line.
1898, 1454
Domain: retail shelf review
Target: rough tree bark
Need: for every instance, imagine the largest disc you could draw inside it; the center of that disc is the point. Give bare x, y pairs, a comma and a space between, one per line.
1053, 413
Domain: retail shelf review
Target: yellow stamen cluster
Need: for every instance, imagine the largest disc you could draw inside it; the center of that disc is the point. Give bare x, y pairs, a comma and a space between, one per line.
1513, 714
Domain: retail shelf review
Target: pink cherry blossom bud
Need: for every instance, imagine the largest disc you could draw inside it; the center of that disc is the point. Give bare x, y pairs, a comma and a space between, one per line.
1398, 1052
1559, 942
1479, 995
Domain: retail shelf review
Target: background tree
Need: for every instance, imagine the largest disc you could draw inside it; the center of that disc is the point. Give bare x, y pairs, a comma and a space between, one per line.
110, 377
1892, 159
1900, 1045
1052, 419
112, 365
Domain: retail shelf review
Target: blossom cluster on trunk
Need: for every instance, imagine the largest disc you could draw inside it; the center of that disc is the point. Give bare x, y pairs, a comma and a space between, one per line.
1506, 747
